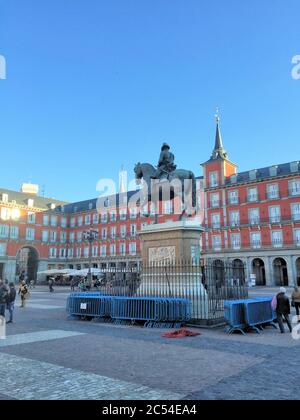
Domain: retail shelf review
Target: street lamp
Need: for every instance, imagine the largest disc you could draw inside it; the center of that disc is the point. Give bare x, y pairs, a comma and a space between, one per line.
90, 236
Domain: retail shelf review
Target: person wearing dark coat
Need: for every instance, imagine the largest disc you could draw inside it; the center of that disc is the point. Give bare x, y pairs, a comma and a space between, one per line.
10, 302
3, 295
283, 310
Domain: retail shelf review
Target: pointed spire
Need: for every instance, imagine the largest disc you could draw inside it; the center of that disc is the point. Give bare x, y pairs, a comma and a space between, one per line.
219, 152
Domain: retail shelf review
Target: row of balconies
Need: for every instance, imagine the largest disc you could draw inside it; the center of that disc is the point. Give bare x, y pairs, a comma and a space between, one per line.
256, 198
255, 245
295, 218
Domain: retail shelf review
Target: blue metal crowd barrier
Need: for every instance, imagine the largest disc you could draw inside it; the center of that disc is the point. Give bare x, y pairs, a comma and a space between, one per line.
127, 308
235, 316
89, 304
151, 309
249, 313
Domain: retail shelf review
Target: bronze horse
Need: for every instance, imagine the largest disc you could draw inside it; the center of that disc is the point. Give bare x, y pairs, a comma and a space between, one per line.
186, 178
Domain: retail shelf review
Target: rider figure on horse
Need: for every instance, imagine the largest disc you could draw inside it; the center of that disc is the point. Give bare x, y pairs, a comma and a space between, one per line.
165, 163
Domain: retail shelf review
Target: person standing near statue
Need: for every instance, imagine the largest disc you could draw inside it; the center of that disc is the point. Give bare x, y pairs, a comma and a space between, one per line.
165, 163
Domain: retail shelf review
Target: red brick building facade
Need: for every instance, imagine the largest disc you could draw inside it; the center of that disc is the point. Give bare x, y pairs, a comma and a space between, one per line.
250, 218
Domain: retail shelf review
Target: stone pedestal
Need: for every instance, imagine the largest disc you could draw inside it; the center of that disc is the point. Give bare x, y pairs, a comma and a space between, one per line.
171, 264
171, 241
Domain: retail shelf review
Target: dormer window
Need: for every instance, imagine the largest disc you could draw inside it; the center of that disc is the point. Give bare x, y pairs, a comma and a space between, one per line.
233, 179
294, 166
252, 175
30, 202
273, 170
90, 206
4, 198
52, 206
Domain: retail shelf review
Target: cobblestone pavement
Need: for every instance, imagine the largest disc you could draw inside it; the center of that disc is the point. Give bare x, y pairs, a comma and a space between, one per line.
48, 356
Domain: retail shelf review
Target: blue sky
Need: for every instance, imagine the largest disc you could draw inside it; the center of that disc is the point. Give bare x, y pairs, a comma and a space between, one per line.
92, 85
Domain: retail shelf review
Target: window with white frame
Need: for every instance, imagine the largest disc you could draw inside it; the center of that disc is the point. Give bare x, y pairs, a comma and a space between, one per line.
104, 217
15, 214
31, 217
235, 240
78, 252
53, 221
70, 252
86, 251
63, 222
95, 218
112, 249
53, 236
133, 230
123, 214
62, 253
297, 236
234, 218
30, 233
272, 191
79, 236
274, 214
132, 248
52, 252
215, 200
254, 216
294, 187
255, 239
5, 213
122, 249
72, 237
45, 236
276, 237
233, 197
4, 231
213, 179
123, 231
72, 222
87, 219
133, 213
295, 209
113, 216
104, 233
215, 221
252, 194
95, 251
63, 237
14, 232
80, 221
217, 242
113, 232
103, 251
2, 250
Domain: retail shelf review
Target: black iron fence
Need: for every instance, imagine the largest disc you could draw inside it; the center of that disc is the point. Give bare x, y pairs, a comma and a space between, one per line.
207, 287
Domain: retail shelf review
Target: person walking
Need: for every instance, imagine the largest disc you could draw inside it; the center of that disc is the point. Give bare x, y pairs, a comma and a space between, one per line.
24, 293
10, 302
3, 296
296, 301
50, 283
283, 310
